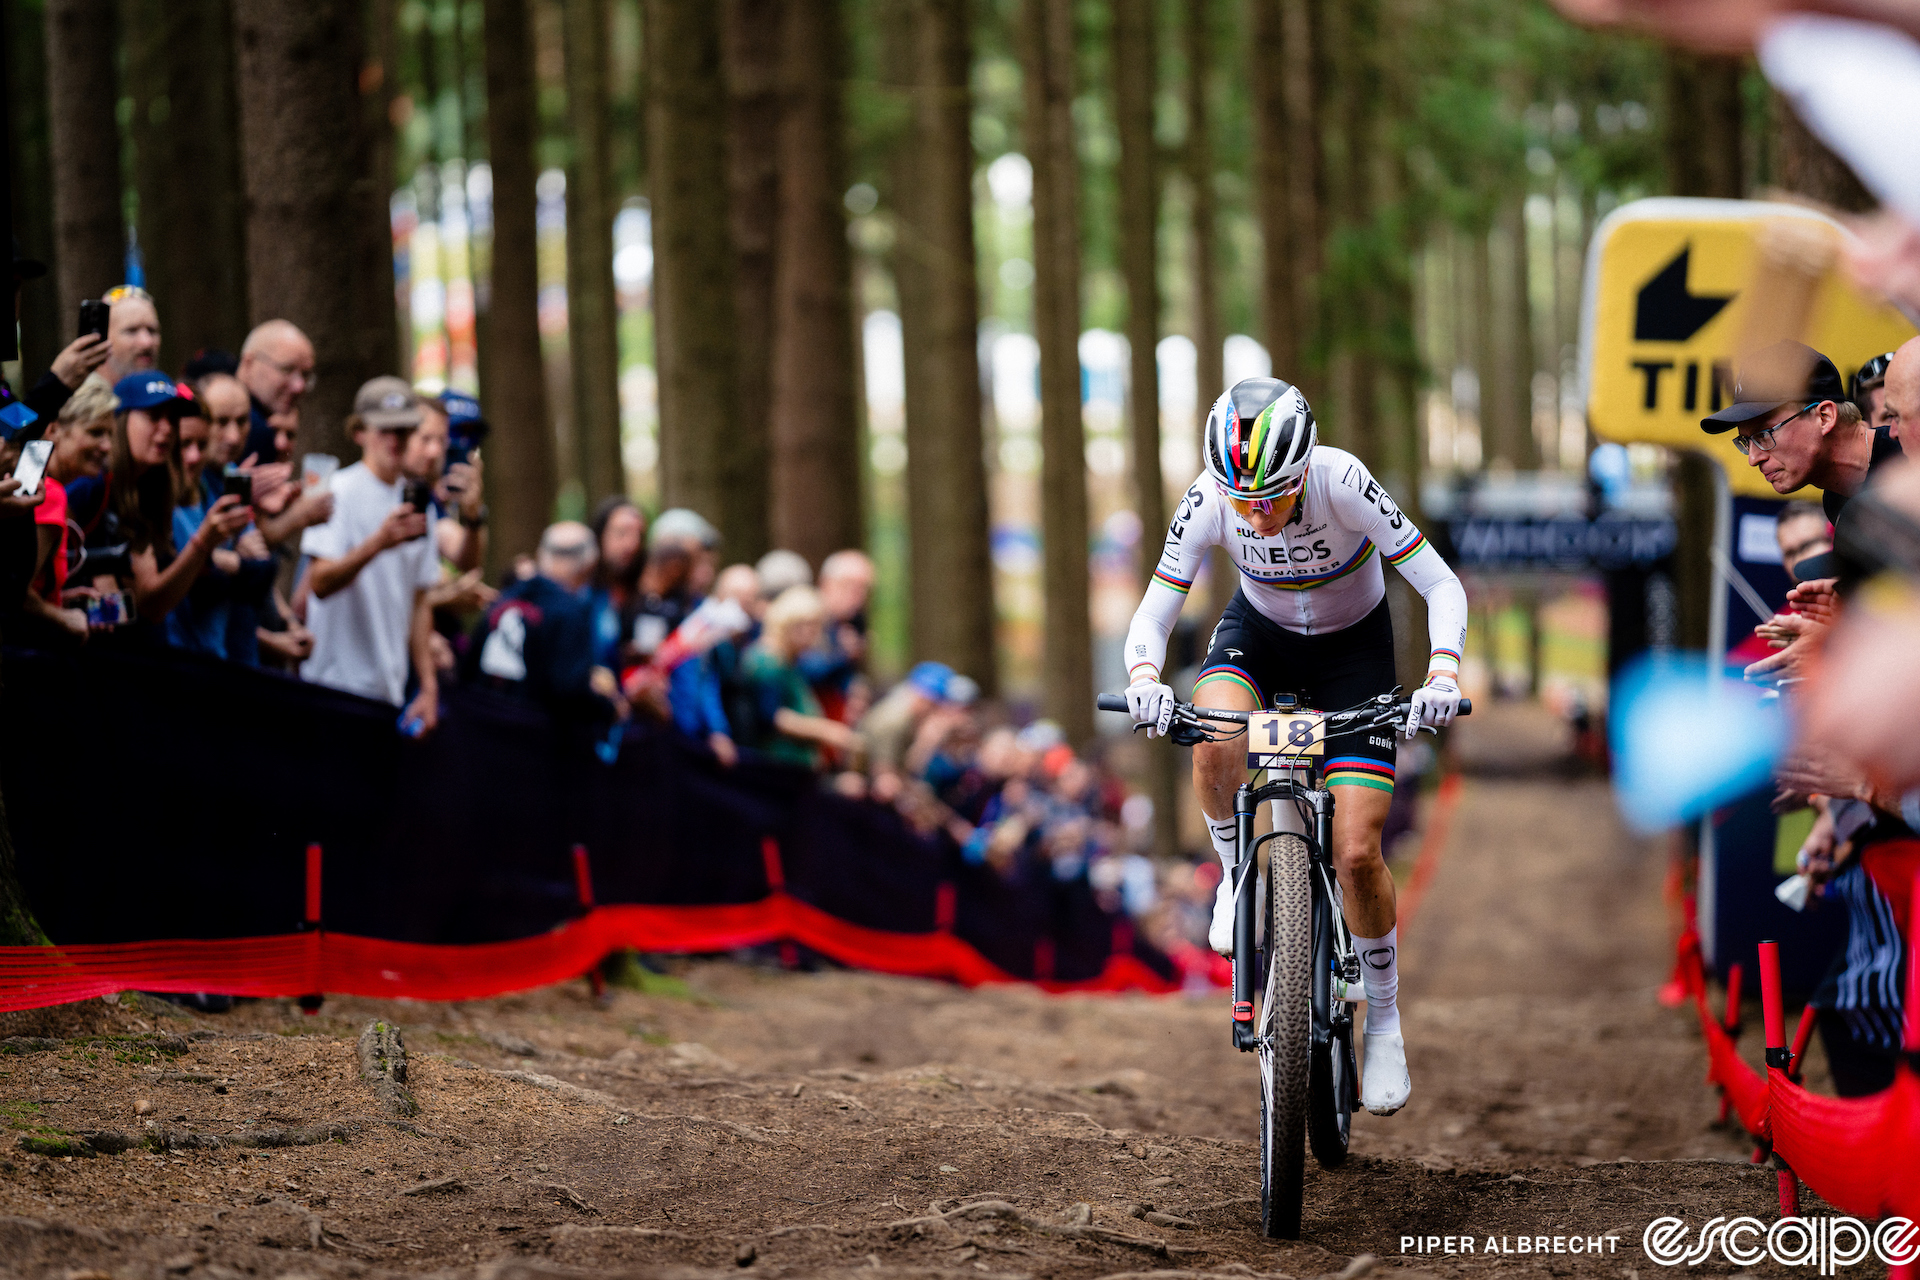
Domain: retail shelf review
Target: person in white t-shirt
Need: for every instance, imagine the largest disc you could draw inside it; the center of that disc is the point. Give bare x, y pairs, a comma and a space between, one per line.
373, 563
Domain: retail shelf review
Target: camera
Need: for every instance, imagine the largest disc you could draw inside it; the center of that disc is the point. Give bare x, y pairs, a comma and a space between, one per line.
418, 494
239, 483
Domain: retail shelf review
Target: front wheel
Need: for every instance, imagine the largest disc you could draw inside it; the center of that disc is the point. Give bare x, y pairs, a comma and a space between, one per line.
1286, 1032
1334, 1087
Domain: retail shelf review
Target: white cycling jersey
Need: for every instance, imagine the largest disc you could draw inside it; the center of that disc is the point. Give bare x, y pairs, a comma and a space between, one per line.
1319, 573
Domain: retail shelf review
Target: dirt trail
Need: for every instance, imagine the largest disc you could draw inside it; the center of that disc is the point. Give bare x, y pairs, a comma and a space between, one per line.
741, 1121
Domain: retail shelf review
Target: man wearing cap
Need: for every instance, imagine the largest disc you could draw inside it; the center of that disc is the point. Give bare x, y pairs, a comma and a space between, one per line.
889, 729
373, 564
1795, 424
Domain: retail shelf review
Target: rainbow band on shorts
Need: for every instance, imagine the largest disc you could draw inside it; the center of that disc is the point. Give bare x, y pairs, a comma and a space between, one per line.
1166, 579
1359, 771
1235, 675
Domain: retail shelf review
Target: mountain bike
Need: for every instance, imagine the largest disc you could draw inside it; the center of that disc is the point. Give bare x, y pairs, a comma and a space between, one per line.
1303, 1034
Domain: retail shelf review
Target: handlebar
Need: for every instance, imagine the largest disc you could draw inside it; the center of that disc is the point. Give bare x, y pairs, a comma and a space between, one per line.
1118, 702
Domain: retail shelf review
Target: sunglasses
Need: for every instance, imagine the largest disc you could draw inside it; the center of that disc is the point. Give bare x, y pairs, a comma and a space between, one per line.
1247, 506
1763, 439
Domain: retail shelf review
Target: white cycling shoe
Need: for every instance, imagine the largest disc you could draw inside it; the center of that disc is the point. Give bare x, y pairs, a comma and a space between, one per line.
1384, 1082
1220, 931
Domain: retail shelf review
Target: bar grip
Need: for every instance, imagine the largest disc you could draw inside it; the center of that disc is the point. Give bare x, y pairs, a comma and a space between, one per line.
1466, 707
1111, 702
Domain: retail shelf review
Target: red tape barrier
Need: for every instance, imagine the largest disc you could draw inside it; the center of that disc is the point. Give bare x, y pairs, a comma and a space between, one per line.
1861, 1154
298, 964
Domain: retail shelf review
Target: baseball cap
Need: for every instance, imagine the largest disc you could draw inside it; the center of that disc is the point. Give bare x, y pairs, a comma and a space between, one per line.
932, 679
15, 417
387, 403
1786, 372
149, 390
460, 407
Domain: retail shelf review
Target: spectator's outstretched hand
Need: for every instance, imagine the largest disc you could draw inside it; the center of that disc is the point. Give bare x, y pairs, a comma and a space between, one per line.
273, 486
81, 357
1782, 629
463, 594
424, 708
1817, 600
225, 519
295, 644
402, 525
1821, 772
1791, 663
252, 546
12, 506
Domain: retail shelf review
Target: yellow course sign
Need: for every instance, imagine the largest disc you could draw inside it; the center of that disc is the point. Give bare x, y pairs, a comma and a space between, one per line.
1664, 309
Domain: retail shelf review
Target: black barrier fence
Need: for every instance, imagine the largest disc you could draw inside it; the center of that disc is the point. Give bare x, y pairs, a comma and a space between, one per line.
154, 794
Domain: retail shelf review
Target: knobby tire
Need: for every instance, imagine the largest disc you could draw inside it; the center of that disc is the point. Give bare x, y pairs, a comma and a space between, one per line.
1286, 1027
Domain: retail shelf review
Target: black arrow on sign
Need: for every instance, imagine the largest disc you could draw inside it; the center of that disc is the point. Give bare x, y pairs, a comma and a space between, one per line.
1666, 312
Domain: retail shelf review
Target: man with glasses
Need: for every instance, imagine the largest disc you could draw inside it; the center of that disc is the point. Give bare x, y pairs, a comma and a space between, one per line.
276, 364
133, 333
1308, 528
1795, 424
1868, 392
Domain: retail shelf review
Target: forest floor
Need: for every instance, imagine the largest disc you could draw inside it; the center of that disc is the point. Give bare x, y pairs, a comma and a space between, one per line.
741, 1120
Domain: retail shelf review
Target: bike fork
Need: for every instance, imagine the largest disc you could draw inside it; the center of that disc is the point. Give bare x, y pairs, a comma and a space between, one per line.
1245, 1035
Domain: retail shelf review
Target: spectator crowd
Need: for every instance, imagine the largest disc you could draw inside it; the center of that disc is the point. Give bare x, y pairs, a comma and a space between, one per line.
174, 513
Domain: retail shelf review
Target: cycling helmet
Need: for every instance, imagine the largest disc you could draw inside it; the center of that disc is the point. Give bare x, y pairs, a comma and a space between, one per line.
1258, 438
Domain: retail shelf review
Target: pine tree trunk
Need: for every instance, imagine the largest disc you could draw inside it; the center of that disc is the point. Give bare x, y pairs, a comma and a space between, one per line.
318, 244
815, 423
1273, 172
693, 264
186, 144
520, 480
1354, 310
90, 240
1134, 48
1804, 165
752, 52
1706, 120
1305, 185
43, 330
950, 556
1511, 392
593, 339
1046, 42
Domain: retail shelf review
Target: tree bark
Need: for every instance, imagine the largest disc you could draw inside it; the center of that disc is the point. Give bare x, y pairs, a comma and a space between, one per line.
815, 423
318, 244
693, 266
90, 238
43, 331
752, 53
1279, 309
593, 320
1305, 185
950, 566
186, 145
521, 483
1804, 165
1354, 307
1133, 90
1046, 41
1510, 394
1706, 121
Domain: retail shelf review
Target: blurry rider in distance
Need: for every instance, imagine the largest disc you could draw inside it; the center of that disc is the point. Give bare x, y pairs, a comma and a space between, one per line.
1307, 527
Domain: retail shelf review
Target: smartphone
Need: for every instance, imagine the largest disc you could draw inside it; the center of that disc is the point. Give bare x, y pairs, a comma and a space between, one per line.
93, 317
459, 450
419, 493
238, 482
107, 610
316, 469
31, 467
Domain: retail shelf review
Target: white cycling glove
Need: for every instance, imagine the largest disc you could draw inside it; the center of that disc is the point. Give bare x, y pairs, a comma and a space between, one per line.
1151, 704
1434, 705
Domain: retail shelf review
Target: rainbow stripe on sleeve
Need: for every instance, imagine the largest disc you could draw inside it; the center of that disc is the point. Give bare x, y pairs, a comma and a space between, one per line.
1407, 552
1359, 771
1444, 656
1166, 579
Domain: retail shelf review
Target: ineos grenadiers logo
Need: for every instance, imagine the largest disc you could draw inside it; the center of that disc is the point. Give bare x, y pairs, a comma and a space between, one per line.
1826, 1244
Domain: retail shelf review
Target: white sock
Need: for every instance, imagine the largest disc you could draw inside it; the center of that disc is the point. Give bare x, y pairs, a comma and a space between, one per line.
1380, 971
1226, 842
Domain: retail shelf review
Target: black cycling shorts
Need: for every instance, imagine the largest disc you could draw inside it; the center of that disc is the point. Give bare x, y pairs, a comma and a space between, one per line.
1328, 672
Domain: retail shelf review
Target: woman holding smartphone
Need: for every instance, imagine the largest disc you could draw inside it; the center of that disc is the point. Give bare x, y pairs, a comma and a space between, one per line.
82, 440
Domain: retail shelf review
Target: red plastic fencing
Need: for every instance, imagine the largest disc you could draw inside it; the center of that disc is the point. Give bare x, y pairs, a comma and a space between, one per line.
1861, 1154
298, 964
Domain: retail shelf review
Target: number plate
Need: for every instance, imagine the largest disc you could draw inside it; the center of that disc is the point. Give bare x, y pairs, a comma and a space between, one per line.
1279, 740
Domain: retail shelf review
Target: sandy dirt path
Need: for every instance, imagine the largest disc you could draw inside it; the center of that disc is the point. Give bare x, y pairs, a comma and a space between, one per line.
739, 1120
